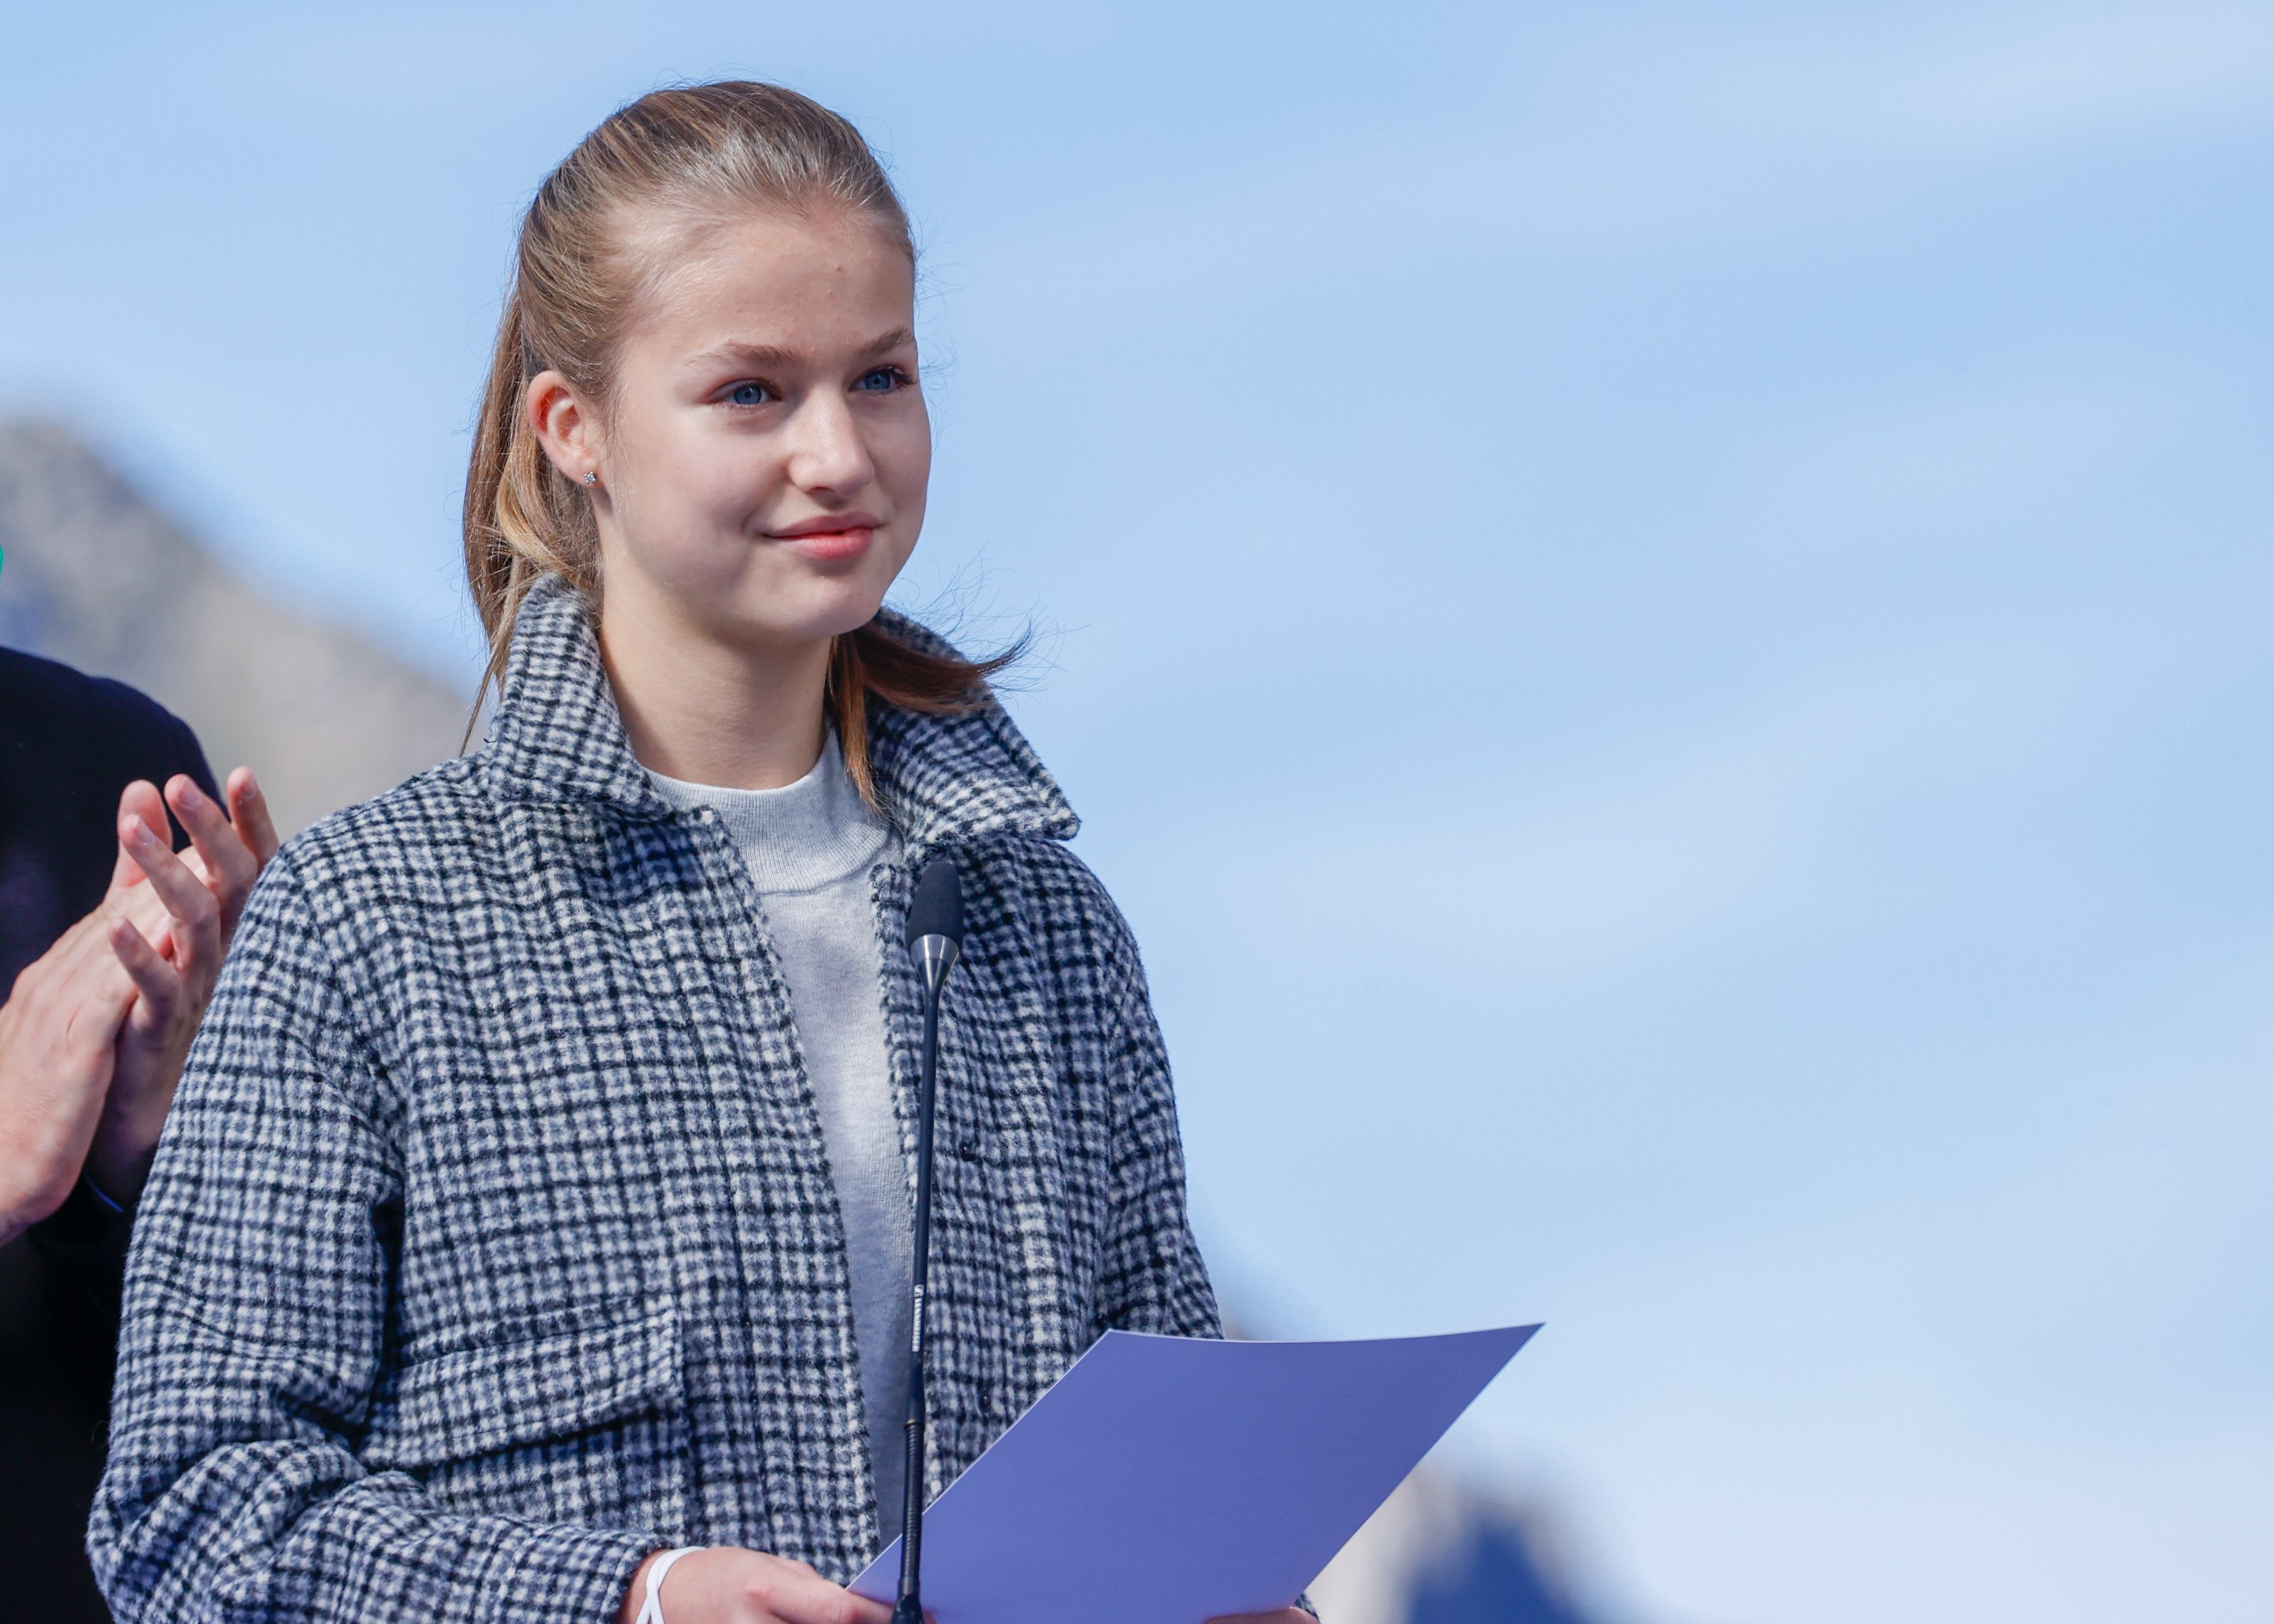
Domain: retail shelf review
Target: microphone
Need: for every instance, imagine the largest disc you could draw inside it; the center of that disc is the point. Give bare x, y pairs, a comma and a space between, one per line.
935, 941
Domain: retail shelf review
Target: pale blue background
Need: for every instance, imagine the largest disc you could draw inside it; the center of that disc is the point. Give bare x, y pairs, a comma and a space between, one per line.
1662, 624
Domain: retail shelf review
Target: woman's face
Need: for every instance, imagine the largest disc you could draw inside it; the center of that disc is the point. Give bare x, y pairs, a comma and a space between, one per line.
764, 459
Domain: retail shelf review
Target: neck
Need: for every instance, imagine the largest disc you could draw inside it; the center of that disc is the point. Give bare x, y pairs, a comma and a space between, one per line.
708, 712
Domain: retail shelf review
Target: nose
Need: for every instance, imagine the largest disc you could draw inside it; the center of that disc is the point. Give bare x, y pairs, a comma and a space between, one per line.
827, 454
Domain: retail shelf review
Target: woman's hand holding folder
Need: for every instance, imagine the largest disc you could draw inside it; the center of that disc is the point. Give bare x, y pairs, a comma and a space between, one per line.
726, 1585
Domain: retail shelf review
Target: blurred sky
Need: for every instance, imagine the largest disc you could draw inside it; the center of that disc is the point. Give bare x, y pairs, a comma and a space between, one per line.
1660, 617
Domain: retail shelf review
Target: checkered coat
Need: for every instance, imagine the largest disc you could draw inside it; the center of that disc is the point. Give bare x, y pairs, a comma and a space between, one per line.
492, 1244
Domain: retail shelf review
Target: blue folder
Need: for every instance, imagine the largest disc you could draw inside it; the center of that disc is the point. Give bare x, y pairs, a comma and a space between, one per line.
1169, 1480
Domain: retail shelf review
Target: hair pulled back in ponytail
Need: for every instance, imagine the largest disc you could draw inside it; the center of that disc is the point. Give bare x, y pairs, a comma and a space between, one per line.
707, 152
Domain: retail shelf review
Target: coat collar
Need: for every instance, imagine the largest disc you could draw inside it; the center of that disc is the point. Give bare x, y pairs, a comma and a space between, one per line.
945, 780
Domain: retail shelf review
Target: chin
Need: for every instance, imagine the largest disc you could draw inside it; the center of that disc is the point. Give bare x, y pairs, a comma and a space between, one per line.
813, 616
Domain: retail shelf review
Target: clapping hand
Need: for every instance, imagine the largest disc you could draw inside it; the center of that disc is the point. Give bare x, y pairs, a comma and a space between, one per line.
173, 920
94, 1034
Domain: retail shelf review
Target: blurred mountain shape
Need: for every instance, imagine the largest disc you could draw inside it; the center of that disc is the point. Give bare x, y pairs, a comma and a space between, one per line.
1440, 1552
96, 576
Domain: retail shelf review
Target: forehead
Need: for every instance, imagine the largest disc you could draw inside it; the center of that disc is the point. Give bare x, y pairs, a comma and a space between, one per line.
772, 278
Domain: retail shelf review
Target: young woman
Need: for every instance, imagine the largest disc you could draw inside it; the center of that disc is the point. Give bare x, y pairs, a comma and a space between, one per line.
538, 1195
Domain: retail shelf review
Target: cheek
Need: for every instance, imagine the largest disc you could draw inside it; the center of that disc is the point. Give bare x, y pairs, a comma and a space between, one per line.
720, 480
902, 453
693, 494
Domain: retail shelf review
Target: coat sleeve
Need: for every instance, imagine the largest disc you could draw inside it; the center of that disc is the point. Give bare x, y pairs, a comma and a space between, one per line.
1152, 1276
258, 1305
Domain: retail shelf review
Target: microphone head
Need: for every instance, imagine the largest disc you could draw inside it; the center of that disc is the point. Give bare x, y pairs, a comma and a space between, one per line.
937, 907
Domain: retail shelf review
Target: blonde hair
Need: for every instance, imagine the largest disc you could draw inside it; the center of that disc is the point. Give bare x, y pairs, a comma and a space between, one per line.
707, 152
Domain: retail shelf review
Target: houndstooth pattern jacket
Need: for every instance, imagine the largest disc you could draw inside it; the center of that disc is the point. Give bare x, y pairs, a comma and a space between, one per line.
492, 1244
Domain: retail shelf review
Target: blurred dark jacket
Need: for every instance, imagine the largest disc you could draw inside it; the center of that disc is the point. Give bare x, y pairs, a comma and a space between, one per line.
69, 744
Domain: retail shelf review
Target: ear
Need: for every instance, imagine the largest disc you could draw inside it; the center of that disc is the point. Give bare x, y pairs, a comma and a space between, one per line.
563, 424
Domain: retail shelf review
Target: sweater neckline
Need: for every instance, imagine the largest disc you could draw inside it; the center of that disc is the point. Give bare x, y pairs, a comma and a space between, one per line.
798, 838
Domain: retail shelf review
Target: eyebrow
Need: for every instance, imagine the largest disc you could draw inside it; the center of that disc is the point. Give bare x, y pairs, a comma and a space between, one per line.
767, 356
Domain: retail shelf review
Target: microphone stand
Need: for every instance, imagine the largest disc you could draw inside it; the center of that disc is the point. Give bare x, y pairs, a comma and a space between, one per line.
935, 941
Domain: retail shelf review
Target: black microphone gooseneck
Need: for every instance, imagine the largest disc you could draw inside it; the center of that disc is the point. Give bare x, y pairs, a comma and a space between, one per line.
935, 941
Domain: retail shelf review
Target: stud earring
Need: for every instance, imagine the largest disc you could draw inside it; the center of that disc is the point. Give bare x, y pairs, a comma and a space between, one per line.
591, 477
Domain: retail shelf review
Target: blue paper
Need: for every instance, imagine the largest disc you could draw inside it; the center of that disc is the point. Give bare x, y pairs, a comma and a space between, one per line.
1169, 1480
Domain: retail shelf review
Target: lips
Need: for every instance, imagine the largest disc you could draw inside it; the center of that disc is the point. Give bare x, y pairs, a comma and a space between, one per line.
830, 537
830, 545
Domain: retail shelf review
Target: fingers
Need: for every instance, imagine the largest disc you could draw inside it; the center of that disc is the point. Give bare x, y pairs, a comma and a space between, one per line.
146, 1065
807, 1598
159, 984
139, 799
95, 992
77, 988
726, 1582
248, 809
145, 910
196, 914
80, 953
230, 864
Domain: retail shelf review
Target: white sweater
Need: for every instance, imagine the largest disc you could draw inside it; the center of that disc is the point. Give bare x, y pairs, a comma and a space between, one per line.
810, 847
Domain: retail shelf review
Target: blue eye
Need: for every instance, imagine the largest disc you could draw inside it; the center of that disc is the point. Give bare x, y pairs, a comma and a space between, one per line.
748, 394
883, 380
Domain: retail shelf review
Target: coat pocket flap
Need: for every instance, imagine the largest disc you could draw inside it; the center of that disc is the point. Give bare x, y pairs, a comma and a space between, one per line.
477, 1400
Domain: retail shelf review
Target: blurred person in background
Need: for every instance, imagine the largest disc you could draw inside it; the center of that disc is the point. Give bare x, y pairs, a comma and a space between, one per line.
536, 1212
110, 944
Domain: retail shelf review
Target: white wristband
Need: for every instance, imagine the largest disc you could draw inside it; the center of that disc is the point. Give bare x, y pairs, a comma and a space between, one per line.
652, 1605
